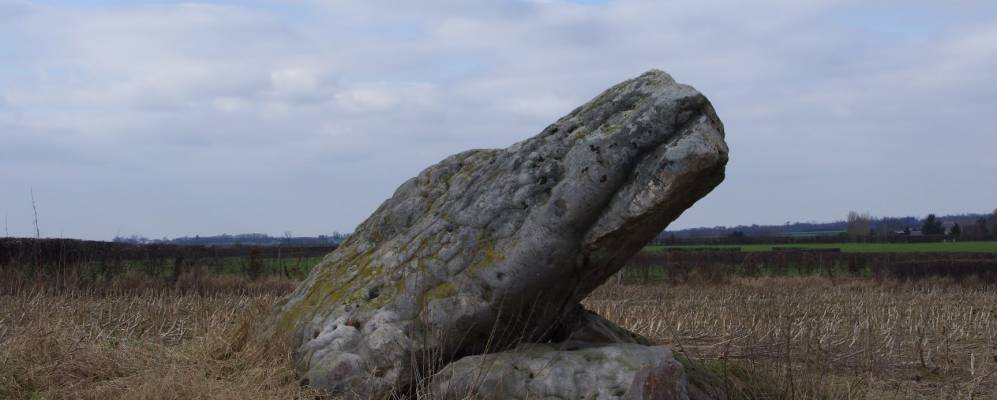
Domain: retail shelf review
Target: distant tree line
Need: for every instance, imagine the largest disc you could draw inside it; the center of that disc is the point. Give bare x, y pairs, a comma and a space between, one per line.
863, 227
855, 227
90, 261
245, 239
759, 230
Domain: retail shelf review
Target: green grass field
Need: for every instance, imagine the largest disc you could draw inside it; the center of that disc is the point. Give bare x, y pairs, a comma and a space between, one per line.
950, 247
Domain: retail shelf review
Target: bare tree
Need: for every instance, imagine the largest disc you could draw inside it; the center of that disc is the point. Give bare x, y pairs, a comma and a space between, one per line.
858, 224
980, 230
992, 224
38, 232
283, 264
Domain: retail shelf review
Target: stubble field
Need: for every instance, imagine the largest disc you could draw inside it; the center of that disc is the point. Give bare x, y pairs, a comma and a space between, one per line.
782, 337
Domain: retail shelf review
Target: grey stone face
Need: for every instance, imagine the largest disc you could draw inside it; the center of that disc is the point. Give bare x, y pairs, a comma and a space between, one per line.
567, 370
489, 248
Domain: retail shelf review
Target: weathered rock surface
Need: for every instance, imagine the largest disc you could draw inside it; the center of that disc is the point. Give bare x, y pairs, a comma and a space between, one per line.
491, 248
568, 370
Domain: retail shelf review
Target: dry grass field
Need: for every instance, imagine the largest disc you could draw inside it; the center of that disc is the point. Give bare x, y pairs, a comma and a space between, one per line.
158, 345
813, 337
790, 338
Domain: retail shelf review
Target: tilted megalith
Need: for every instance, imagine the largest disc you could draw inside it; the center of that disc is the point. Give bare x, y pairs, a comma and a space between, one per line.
490, 248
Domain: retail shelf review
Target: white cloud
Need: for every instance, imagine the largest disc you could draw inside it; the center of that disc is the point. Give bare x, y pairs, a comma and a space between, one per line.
374, 98
380, 96
228, 103
294, 81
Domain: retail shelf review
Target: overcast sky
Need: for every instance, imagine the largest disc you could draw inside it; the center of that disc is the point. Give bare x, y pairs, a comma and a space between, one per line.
170, 119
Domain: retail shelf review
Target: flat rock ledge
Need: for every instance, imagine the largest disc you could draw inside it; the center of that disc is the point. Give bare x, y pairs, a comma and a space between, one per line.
489, 249
563, 371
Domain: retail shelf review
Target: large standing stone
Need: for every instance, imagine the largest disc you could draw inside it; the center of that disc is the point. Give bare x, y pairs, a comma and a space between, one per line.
490, 248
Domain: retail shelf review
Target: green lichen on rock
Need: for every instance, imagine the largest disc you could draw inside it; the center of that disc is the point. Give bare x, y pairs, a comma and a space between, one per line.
488, 256
442, 291
337, 282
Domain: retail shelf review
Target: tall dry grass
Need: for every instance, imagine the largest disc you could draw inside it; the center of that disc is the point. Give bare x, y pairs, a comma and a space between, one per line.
822, 338
785, 338
157, 345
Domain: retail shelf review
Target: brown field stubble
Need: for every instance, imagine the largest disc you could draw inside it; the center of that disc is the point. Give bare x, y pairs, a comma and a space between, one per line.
806, 337
157, 345
822, 338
